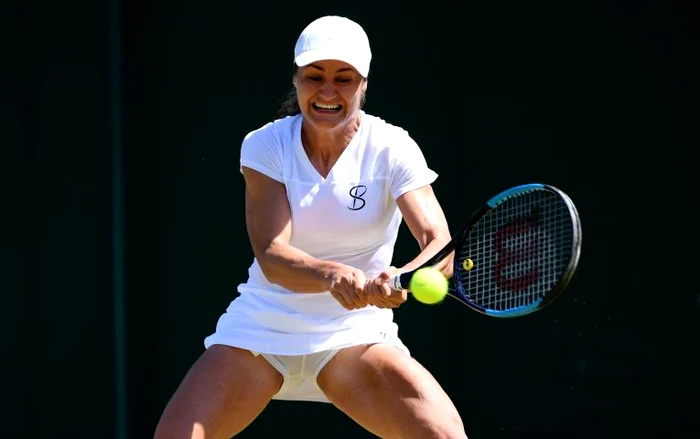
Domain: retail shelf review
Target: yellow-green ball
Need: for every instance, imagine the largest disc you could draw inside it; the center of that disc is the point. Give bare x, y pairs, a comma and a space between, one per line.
428, 285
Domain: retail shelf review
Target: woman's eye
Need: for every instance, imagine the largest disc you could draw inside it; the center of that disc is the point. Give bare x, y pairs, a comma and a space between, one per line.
343, 80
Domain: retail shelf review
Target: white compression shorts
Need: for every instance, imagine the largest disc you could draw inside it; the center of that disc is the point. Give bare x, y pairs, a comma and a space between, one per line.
300, 372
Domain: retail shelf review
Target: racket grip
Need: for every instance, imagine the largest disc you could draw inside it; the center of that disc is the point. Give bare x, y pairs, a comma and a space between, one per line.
400, 282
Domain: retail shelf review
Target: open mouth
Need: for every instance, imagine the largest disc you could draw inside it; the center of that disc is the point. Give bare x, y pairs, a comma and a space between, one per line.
328, 108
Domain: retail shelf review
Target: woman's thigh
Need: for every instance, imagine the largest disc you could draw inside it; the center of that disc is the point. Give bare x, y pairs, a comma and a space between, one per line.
223, 392
390, 394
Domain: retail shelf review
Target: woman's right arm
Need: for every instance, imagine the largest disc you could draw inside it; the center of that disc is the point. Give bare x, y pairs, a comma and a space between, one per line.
269, 224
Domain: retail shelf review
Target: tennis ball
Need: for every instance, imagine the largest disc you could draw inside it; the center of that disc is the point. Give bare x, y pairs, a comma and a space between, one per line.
428, 285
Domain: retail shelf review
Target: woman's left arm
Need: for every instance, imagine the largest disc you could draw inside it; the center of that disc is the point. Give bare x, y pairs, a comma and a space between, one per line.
426, 221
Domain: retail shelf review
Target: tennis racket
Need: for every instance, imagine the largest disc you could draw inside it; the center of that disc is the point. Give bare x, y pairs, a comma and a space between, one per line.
515, 254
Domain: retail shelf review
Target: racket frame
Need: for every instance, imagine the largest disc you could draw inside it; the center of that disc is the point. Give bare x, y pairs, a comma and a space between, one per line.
403, 280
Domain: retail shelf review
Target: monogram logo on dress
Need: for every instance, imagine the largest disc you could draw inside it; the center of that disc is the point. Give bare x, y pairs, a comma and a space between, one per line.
356, 192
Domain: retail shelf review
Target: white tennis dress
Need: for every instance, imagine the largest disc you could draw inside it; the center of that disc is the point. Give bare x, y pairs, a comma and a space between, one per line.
350, 217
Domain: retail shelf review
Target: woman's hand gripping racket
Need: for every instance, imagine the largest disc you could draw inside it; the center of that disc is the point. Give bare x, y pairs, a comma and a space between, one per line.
515, 255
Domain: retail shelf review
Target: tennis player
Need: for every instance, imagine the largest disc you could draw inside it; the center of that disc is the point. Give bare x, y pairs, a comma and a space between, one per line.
327, 186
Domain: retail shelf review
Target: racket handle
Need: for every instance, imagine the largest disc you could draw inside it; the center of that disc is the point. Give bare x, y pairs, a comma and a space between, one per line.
400, 281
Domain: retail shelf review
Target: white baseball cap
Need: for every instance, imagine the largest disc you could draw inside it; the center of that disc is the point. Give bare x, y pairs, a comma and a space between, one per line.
334, 37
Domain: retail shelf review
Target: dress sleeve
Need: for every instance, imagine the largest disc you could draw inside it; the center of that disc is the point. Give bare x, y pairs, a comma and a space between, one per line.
261, 150
409, 168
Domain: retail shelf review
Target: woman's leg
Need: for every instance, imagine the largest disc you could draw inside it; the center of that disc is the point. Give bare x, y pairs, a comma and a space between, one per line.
390, 394
223, 392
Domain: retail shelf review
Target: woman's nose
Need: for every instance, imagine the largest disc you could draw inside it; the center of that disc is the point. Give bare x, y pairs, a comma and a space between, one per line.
328, 90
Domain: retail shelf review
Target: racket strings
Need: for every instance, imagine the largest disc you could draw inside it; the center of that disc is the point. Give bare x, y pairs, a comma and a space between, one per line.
519, 251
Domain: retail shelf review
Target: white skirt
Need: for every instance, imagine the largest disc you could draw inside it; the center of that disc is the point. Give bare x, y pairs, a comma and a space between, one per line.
300, 324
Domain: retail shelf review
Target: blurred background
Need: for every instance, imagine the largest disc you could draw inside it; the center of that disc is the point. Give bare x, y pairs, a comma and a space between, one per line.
125, 236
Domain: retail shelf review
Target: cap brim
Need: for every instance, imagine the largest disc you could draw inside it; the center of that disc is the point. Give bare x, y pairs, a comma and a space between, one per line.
314, 55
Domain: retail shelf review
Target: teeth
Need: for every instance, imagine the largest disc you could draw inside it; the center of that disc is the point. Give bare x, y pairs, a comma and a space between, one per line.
327, 106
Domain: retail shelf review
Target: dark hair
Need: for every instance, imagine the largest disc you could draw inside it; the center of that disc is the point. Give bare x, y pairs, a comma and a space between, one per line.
290, 105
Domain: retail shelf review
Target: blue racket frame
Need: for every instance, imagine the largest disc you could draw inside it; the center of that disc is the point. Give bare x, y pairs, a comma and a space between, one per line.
456, 290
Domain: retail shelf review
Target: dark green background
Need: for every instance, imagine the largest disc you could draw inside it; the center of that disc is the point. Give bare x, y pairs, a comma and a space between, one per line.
598, 97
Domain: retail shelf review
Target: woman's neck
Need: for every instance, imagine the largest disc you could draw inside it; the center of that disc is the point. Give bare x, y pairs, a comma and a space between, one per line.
325, 147
328, 143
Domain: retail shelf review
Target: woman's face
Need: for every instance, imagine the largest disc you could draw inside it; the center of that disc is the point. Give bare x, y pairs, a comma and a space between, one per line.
330, 93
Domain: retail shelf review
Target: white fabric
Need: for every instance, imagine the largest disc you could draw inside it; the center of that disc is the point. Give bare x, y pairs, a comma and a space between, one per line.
380, 164
333, 37
300, 373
